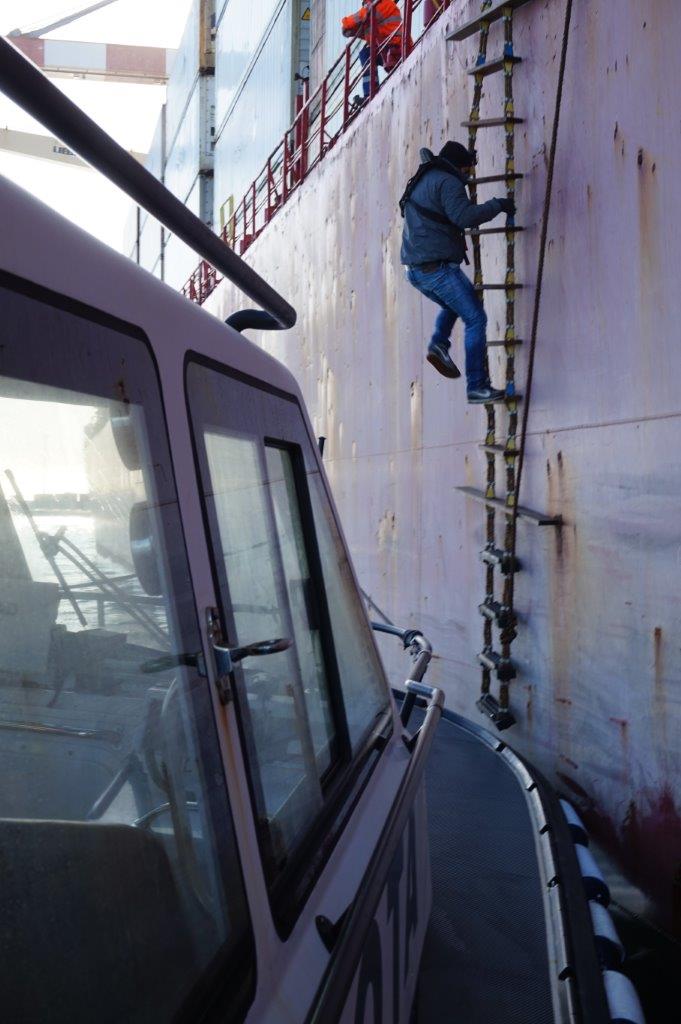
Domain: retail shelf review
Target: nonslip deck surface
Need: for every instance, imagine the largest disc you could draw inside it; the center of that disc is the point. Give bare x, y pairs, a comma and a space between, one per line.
485, 954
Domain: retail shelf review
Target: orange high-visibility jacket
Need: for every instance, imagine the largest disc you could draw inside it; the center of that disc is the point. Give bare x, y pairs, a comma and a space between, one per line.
388, 18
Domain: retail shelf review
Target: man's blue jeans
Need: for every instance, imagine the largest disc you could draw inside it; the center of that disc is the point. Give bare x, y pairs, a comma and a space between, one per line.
449, 287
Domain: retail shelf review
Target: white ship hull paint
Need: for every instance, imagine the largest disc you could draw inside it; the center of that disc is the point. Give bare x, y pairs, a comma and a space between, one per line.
600, 602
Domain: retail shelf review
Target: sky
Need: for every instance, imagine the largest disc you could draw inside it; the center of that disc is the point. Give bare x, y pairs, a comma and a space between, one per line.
128, 112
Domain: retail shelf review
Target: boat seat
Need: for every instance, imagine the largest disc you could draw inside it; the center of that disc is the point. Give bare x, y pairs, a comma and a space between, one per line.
91, 925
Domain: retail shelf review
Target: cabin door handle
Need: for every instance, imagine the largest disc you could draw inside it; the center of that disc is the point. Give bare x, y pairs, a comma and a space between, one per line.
227, 657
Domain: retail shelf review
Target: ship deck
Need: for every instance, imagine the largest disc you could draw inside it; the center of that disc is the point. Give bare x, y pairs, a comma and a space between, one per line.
485, 956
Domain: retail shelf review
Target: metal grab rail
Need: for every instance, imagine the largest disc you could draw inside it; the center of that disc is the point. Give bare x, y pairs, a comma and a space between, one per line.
421, 652
322, 119
332, 993
28, 87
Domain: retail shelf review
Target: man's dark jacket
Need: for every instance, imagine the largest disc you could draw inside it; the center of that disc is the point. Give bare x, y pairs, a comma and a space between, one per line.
424, 240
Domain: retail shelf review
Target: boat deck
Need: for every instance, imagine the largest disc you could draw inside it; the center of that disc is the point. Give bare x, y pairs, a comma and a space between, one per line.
485, 956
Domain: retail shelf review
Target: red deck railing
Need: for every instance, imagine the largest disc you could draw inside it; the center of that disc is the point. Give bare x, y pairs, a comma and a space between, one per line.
322, 119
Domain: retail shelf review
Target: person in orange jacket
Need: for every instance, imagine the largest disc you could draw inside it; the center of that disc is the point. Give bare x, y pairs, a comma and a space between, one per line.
388, 21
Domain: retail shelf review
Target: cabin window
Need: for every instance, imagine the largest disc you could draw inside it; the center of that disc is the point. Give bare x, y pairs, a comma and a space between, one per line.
361, 673
282, 571
122, 896
286, 694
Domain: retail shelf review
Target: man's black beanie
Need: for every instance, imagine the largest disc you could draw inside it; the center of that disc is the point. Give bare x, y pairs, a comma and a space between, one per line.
456, 154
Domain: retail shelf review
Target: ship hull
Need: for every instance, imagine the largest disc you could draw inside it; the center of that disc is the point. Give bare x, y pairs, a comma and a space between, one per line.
598, 600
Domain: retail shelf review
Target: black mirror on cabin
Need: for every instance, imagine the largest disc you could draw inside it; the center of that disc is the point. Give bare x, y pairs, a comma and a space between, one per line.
123, 430
143, 549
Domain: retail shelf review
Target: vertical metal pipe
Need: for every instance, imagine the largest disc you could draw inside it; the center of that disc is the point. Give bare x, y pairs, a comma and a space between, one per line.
268, 212
346, 88
322, 120
305, 128
430, 9
285, 188
373, 41
406, 28
137, 234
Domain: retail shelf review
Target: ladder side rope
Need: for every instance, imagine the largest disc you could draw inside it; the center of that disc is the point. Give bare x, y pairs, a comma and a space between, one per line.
477, 281
538, 290
508, 632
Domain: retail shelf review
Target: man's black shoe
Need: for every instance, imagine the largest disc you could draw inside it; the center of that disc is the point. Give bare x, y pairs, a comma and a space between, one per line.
439, 357
485, 396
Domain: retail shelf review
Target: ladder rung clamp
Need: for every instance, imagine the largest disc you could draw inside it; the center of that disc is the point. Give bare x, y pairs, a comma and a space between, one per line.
489, 706
496, 611
504, 560
504, 667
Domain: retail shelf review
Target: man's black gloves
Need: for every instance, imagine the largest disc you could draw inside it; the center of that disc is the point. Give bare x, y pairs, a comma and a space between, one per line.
507, 206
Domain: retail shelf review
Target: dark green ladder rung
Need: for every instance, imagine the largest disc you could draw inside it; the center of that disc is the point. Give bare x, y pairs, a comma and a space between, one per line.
500, 449
492, 13
489, 178
504, 400
492, 122
497, 287
491, 67
499, 344
512, 228
538, 518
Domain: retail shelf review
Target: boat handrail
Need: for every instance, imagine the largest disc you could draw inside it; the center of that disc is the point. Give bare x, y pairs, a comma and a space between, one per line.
421, 652
352, 928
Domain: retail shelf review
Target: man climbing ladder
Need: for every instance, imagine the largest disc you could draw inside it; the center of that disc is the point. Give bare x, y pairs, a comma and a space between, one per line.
436, 210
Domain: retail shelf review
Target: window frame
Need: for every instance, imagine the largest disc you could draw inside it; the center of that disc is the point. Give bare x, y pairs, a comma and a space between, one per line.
289, 891
226, 987
314, 563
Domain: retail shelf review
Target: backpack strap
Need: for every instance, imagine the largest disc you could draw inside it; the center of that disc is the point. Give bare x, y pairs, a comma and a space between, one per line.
439, 218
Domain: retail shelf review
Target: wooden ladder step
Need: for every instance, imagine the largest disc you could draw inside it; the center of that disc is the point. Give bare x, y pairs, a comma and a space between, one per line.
504, 400
493, 13
496, 343
492, 122
538, 518
489, 178
511, 229
492, 67
497, 287
500, 449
